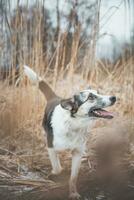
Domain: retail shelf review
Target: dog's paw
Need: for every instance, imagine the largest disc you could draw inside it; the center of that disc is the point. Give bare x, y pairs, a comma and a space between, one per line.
57, 172
74, 196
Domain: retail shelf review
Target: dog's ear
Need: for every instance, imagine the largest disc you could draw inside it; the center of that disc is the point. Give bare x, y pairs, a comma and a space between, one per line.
68, 104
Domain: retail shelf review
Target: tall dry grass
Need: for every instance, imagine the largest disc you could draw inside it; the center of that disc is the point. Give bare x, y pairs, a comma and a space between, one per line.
22, 106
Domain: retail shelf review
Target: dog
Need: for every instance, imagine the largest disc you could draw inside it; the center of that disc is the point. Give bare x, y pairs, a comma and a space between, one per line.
67, 122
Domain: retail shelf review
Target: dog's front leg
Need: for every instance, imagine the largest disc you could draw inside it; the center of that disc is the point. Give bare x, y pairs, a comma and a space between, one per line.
76, 162
55, 162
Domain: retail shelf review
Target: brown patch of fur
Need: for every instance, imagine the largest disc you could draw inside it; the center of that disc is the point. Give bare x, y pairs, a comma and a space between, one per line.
47, 90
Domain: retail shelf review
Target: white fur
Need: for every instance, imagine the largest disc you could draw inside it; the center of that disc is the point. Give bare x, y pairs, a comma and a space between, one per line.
34, 78
54, 158
76, 162
84, 96
69, 133
85, 107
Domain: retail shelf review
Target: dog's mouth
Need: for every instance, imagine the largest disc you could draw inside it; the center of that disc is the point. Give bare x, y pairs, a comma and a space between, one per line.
101, 113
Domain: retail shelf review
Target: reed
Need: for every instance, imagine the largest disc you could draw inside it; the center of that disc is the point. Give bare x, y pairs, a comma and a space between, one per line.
22, 105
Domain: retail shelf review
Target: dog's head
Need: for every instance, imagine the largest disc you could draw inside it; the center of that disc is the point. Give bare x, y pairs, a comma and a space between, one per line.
89, 103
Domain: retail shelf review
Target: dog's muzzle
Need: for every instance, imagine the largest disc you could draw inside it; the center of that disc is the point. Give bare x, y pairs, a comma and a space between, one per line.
101, 113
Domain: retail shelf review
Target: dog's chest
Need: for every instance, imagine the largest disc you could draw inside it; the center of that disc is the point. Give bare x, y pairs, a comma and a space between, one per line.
68, 132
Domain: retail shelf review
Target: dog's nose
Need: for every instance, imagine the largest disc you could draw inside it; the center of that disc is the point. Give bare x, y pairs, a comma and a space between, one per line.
113, 99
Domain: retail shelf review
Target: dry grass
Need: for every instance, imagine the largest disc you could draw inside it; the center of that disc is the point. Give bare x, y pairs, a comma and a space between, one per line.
23, 155
22, 110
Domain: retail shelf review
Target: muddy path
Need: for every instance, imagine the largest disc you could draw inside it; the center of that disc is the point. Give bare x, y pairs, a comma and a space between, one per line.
56, 187
107, 170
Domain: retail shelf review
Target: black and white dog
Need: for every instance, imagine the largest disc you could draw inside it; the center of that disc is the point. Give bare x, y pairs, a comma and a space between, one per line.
67, 122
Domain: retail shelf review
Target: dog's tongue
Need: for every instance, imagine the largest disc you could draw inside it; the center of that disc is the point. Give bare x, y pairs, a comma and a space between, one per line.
106, 113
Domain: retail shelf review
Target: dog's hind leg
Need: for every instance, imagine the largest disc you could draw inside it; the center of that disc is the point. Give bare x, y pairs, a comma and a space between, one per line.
55, 161
76, 162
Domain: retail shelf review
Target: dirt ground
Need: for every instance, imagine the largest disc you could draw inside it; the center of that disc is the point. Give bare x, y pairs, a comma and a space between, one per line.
90, 187
107, 170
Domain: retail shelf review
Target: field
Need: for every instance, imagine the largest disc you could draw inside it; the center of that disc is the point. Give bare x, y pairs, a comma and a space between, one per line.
107, 171
24, 161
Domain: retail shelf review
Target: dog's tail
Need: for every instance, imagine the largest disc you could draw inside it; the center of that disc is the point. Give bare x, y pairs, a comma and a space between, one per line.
33, 77
43, 86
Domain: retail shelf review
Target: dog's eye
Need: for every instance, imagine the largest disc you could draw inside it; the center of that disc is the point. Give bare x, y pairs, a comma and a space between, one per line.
91, 97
